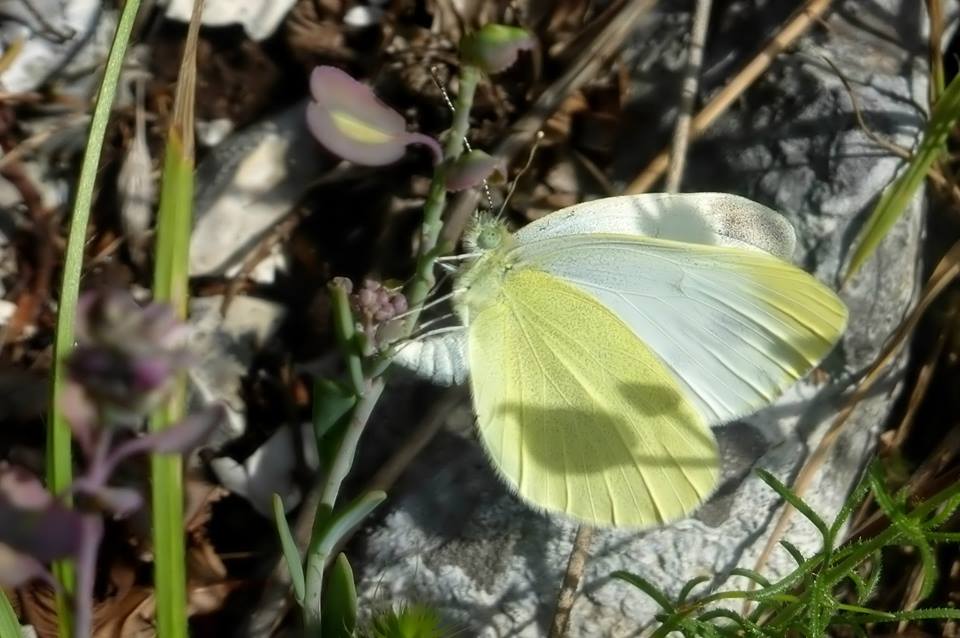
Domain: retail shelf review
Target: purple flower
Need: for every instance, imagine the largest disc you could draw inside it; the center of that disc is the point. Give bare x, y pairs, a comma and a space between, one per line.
32, 521
126, 355
472, 168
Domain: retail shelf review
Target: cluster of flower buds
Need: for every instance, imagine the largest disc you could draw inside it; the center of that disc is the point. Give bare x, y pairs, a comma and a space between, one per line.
374, 306
375, 303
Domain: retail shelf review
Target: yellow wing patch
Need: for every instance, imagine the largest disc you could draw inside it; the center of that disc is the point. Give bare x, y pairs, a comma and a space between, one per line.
578, 415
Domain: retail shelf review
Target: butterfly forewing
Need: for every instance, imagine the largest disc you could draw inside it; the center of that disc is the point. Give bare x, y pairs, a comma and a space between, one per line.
734, 327
713, 219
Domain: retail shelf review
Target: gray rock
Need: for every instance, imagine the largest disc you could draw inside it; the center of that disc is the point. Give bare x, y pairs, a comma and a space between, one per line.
53, 37
259, 18
456, 539
246, 185
226, 346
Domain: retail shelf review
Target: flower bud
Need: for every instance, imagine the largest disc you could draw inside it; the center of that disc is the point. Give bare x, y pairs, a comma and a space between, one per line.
494, 48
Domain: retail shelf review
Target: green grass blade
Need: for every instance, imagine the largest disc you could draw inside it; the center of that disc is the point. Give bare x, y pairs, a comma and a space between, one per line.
797, 503
291, 555
9, 624
896, 198
171, 284
59, 457
646, 587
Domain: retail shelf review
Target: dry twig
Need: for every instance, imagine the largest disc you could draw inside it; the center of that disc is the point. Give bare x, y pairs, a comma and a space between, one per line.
688, 95
801, 21
571, 581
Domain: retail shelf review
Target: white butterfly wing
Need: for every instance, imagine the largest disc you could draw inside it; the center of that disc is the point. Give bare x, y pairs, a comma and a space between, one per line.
440, 359
716, 219
736, 327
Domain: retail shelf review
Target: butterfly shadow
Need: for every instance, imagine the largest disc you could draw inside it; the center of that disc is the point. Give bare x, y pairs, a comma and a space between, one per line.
581, 441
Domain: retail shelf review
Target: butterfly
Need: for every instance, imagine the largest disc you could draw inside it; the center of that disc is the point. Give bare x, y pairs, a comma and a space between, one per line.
604, 340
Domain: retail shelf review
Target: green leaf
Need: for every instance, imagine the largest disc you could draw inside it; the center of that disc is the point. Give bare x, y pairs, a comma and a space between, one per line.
689, 586
409, 621
344, 327
9, 624
933, 613
646, 587
798, 503
291, 555
853, 501
339, 619
331, 402
750, 575
334, 528
170, 284
896, 198
794, 552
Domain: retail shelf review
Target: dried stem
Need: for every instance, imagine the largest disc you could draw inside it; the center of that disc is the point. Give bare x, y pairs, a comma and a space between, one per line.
801, 21
688, 95
571, 581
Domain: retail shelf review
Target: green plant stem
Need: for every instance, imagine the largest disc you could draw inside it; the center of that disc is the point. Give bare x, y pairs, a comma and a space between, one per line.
9, 623
423, 278
897, 196
59, 456
343, 461
373, 387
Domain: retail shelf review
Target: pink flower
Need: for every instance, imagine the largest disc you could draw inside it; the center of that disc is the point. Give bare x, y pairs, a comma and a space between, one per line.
350, 121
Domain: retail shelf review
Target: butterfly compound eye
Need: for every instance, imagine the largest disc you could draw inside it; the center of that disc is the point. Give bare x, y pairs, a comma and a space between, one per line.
489, 238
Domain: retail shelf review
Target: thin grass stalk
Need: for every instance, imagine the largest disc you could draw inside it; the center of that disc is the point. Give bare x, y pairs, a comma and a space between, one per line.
9, 623
58, 451
171, 284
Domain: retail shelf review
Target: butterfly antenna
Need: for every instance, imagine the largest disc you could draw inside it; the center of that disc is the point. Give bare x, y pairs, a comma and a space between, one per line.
430, 304
466, 143
426, 325
513, 185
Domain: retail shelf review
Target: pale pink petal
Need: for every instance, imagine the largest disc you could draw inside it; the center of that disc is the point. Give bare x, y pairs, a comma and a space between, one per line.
346, 138
21, 488
18, 569
335, 90
472, 168
350, 121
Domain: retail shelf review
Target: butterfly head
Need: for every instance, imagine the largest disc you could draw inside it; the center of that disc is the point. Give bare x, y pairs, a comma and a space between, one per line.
485, 233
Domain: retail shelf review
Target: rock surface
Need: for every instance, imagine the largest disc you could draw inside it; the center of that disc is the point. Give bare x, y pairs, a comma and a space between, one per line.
456, 539
48, 37
259, 18
246, 185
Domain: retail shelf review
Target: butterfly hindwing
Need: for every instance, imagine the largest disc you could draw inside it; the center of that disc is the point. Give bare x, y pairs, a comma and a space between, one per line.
578, 415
